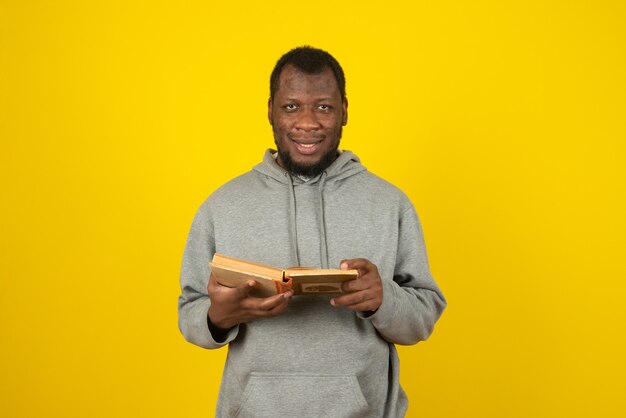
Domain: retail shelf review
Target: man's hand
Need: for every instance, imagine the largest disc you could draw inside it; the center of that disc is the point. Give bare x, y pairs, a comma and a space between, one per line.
366, 292
232, 306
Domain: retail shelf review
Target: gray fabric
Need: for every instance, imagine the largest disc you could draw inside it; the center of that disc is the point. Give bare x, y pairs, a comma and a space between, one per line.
314, 360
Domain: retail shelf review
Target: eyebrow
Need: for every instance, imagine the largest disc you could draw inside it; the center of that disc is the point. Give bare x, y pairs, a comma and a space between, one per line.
319, 99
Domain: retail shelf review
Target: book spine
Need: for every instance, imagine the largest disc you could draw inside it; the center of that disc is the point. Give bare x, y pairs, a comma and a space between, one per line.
283, 285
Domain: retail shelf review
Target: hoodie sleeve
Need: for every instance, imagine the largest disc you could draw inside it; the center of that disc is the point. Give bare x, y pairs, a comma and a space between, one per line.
412, 301
194, 302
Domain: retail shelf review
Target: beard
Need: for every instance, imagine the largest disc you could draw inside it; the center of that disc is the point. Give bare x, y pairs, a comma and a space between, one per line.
304, 170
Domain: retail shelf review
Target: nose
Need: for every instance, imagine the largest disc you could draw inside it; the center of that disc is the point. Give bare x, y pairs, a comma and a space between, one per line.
307, 120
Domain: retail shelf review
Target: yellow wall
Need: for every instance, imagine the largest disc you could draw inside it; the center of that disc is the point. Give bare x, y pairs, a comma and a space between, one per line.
504, 121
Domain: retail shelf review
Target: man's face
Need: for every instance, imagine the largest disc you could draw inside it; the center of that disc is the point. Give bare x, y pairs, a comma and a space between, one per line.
307, 115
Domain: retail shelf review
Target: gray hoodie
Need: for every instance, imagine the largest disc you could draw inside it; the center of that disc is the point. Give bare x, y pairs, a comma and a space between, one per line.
315, 360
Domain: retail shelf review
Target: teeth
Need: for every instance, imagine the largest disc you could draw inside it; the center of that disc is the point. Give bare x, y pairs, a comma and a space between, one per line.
307, 145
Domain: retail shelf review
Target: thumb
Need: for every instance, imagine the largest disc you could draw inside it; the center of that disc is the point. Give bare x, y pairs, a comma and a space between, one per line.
353, 263
361, 264
244, 288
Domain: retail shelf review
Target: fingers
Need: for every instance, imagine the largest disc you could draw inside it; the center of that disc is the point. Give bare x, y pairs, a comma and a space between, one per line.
362, 283
364, 293
228, 308
365, 269
363, 265
359, 301
368, 274
239, 292
352, 299
255, 308
267, 304
364, 306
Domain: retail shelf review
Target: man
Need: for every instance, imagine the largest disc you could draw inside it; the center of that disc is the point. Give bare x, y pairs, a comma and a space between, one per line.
309, 204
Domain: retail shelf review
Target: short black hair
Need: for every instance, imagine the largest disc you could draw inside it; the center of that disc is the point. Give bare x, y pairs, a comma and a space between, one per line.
309, 60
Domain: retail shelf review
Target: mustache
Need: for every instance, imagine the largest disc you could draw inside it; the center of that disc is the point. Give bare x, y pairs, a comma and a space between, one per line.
317, 137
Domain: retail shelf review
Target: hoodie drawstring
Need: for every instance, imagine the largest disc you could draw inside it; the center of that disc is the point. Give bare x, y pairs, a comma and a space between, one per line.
294, 227
323, 243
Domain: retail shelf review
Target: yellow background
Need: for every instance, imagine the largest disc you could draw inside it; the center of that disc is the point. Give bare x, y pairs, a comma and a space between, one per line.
504, 121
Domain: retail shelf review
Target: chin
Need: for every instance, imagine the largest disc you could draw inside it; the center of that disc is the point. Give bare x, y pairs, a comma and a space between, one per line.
307, 169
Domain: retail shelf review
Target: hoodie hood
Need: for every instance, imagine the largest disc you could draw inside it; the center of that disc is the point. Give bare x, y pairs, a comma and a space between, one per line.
346, 165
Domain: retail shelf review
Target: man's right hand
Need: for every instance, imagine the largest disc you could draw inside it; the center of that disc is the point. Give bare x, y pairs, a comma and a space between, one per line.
232, 305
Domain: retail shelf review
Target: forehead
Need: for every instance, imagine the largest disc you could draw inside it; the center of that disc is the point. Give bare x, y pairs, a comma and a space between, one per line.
294, 82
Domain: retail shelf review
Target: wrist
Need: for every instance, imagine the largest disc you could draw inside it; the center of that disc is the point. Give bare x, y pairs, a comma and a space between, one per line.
218, 332
218, 321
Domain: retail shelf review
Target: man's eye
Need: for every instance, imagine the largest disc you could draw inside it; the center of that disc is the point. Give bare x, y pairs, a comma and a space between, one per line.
290, 107
324, 107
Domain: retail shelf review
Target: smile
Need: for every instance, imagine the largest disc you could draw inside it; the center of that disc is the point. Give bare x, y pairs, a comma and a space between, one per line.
307, 148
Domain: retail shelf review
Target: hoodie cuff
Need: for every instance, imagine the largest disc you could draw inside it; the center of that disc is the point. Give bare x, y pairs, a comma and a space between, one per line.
385, 313
200, 322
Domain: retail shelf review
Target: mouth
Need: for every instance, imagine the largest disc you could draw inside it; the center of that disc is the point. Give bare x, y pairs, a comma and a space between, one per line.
307, 146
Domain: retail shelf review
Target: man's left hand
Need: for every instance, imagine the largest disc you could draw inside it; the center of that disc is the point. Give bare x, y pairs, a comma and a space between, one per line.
364, 293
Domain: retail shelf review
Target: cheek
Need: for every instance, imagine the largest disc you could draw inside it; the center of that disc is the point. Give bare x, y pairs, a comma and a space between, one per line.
331, 121
334, 126
281, 123
280, 131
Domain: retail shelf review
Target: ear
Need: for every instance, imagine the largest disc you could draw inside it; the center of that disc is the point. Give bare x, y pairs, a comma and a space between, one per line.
344, 106
269, 110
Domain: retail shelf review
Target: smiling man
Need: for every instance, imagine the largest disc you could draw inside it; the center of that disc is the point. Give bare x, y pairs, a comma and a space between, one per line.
307, 110
310, 204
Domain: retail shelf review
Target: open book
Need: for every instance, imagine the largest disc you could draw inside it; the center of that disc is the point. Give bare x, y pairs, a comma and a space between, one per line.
231, 272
